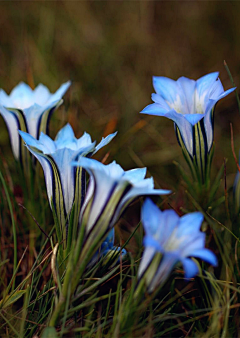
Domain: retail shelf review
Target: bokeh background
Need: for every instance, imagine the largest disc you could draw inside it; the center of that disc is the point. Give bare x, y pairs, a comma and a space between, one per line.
110, 50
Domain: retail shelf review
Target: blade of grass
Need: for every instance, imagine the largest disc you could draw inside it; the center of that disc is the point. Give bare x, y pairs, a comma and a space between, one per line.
13, 227
232, 81
9, 324
24, 312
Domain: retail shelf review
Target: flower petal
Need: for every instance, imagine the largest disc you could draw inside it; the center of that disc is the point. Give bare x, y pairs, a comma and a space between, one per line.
63, 158
165, 87
85, 140
110, 238
31, 141
33, 144
151, 217
41, 94
208, 124
105, 141
190, 223
191, 243
190, 268
205, 83
206, 255
227, 92
4, 99
149, 241
33, 116
64, 136
135, 175
48, 143
13, 127
166, 266
169, 222
22, 96
193, 118
59, 93
147, 257
188, 87
48, 174
135, 192
185, 128
154, 109
158, 224
103, 183
160, 101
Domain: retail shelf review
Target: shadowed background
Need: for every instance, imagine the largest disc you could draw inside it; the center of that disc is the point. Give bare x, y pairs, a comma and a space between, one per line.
110, 50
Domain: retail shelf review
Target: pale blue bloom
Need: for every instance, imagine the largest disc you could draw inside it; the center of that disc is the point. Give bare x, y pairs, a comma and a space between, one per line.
110, 191
175, 239
107, 249
108, 243
56, 157
187, 102
28, 110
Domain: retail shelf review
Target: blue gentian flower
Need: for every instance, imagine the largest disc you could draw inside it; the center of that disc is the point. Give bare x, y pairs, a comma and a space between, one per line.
28, 110
110, 191
107, 249
171, 239
65, 184
190, 104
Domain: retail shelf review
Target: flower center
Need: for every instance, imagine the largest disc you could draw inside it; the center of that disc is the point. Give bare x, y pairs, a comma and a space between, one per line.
174, 242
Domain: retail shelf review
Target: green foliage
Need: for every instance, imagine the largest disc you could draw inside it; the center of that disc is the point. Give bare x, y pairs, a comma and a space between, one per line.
9, 300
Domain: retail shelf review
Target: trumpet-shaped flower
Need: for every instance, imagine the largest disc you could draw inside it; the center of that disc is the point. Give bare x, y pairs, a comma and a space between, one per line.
63, 181
187, 102
28, 110
110, 191
171, 239
190, 104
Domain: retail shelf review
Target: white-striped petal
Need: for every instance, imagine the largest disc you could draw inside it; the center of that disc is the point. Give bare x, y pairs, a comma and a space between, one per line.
34, 107
186, 102
60, 153
13, 127
111, 180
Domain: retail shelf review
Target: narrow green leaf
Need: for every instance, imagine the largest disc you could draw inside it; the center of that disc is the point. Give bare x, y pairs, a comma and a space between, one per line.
216, 184
13, 225
185, 178
9, 300
231, 79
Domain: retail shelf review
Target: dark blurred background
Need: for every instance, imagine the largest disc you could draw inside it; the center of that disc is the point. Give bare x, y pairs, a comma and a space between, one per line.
110, 50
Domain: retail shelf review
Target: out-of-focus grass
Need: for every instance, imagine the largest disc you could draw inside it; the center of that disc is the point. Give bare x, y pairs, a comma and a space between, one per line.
110, 50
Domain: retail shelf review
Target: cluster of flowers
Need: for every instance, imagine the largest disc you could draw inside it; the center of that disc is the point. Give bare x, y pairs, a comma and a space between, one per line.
97, 205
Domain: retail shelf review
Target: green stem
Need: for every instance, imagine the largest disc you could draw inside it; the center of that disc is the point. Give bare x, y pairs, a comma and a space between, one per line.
63, 296
13, 226
232, 81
